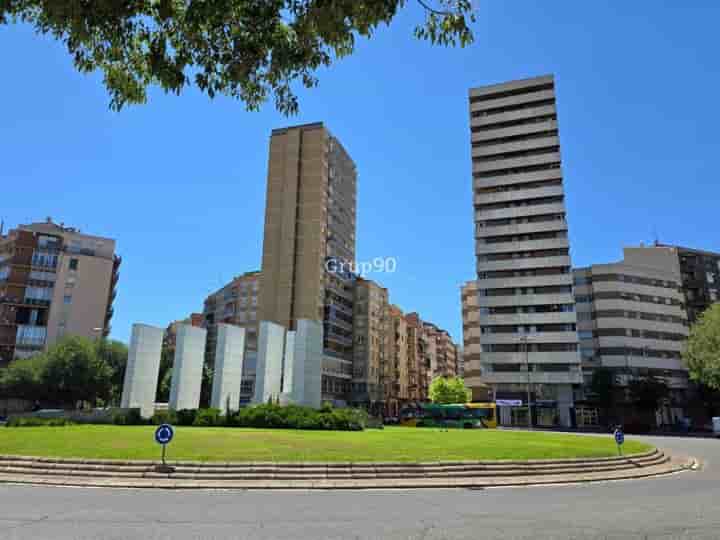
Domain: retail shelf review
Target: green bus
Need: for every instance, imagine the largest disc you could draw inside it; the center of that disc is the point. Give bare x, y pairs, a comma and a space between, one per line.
456, 415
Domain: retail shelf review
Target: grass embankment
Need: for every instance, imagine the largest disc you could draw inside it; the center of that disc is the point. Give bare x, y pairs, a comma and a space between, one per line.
240, 444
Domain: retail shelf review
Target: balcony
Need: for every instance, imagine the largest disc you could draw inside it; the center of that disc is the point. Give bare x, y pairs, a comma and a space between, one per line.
520, 211
30, 336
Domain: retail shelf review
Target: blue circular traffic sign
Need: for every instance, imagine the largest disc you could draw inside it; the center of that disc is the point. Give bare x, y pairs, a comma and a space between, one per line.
619, 436
164, 434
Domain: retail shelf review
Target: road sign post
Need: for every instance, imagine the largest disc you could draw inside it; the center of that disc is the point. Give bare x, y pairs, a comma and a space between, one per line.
619, 439
163, 435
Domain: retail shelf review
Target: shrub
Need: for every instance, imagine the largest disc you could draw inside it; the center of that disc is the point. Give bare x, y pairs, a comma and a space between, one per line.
186, 417
164, 417
297, 417
129, 417
208, 417
34, 421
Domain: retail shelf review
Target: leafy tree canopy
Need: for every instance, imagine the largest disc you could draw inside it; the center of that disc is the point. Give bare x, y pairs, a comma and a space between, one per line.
246, 49
702, 355
602, 385
647, 392
448, 390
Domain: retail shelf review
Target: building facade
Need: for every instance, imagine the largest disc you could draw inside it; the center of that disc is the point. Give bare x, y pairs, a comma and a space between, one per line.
54, 281
631, 320
700, 272
235, 303
527, 317
309, 244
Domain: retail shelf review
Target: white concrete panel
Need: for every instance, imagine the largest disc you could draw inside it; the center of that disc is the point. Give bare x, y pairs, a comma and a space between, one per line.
289, 364
187, 367
143, 366
268, 371
227, 377
307, 364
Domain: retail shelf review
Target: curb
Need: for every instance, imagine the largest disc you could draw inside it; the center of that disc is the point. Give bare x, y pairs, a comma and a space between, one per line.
478, 475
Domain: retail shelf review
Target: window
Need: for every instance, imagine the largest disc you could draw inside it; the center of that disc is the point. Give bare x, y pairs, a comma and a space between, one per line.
73, 264
585, 334
67, 299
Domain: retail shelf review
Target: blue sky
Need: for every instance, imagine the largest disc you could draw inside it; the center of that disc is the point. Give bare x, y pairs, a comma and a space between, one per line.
180, 182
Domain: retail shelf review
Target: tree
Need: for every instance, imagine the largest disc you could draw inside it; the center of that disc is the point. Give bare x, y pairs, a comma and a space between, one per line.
702, 354
115, 354
448, 390
22, 379
646, 393
246, 49
74, 372
602, 385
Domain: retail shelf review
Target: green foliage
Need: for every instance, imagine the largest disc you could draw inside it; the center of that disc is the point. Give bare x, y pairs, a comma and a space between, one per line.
245, 49
603, 386
448, 390
74, 372
208, 418
34, 421
164, 417
129, 417
22, 379
647, 392
115, 355
702, 354
298, 417
186, 417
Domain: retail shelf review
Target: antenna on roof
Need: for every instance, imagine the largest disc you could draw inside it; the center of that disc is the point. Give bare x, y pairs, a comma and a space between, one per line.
2, 226
657, 238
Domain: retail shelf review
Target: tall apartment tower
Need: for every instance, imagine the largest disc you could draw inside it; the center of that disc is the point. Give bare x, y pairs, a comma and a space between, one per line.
309, 243
525, 296
54, 281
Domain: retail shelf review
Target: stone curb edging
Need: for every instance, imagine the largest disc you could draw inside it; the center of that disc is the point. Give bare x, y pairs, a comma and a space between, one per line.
468, 474
673, 466
329, 464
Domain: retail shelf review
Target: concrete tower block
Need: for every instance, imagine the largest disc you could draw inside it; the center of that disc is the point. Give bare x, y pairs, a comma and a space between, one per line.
143, 366
227, 378
307, 363
187, 367
268, 371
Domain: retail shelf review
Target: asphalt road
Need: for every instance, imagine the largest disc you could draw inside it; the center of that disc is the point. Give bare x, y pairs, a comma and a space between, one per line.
681, 506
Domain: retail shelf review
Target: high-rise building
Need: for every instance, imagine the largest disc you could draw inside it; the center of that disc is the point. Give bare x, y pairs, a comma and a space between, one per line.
528, 331
309, 243
54, 281
369, 355
700, 272
235, 303
631, 320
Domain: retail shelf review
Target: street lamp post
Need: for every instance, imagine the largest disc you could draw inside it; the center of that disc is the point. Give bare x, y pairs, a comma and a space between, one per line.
524, 342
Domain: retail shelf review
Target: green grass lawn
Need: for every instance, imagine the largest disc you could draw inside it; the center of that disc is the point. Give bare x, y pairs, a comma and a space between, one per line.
238, 444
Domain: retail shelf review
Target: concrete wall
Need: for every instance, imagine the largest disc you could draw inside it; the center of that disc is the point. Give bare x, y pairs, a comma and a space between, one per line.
141, 375
307, 363
268, 371
187, 368
288, 383
229, 356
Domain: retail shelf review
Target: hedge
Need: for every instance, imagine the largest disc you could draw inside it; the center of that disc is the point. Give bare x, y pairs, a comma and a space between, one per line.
34, 421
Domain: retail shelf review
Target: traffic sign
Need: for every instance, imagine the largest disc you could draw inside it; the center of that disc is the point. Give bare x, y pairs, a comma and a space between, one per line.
619, 439
164, 434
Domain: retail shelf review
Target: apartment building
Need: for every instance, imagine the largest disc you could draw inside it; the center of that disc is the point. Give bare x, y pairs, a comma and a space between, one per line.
396, 373
700, 272
236, 303
370, 328
631, 319
527, 316
472, 367
309, 244
54, 281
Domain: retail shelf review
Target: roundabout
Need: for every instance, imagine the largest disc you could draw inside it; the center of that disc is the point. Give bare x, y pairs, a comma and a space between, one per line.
227, 458
676, 506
